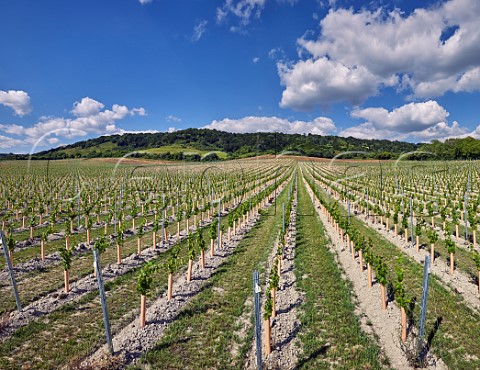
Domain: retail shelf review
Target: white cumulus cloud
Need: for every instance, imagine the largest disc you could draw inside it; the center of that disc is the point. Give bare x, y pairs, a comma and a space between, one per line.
368, 131
429, 51
90, 117
407, 118
441, 131
8, 142
87, 107
318, 126
17, 100
420, 122
322, 81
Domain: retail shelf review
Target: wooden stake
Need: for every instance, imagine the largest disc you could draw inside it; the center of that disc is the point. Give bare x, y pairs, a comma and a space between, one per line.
170, 287
143, 309
139, 246
452, 263
404, 324
273, 294
360, 257
384, 296
432, 252
212, 248
119, 254
189, 271
67, 283
268, 349
42, 250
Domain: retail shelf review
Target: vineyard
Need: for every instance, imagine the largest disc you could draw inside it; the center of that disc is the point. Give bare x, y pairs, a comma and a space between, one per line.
278, 263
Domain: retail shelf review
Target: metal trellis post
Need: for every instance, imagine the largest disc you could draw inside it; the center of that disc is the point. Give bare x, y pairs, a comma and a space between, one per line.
10, 272
423, 309
103, 301
258, 328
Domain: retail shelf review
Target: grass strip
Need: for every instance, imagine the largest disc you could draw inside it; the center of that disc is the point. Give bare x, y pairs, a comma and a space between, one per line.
331, 334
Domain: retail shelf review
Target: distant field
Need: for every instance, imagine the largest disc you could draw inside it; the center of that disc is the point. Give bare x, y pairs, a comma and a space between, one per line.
179, 149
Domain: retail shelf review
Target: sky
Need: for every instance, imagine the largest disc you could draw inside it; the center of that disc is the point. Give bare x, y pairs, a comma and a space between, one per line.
77, 69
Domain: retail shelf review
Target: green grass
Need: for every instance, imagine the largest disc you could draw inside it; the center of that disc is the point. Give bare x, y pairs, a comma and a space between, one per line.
204, 334
331, 334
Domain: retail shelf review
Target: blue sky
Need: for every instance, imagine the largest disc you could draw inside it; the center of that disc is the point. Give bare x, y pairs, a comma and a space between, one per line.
401, 70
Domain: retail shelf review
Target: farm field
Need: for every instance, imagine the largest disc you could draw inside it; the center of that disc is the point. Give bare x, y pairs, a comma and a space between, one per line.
340, 248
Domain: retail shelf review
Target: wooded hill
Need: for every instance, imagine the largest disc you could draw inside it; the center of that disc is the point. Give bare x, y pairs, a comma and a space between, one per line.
196, 144
229, 145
